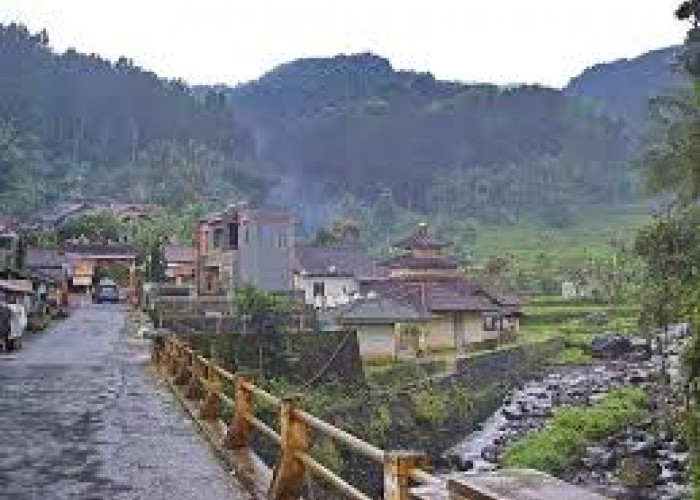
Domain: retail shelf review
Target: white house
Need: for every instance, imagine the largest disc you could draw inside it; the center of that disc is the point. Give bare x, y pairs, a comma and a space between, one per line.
331, 276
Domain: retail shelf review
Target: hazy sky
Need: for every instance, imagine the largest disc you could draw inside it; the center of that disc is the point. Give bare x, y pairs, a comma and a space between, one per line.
229, 41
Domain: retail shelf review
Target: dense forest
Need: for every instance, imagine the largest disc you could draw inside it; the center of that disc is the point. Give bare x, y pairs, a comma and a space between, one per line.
78, 124
359, 125
315, 135
622, 89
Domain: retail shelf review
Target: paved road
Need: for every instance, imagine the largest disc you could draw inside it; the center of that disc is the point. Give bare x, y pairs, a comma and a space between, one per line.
81, 418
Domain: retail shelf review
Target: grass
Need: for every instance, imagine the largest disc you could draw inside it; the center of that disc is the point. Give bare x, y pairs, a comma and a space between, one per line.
591, 235
574, 355
565, 437
549, 316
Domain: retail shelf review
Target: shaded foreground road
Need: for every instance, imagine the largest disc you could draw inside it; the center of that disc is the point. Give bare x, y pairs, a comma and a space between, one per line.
81, 418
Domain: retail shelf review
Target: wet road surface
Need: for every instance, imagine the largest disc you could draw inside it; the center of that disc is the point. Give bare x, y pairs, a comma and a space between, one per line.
81, 418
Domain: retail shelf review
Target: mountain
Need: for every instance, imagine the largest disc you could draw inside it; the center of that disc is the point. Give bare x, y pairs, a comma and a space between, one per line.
622, 89
315, 134
75, 122
357, 125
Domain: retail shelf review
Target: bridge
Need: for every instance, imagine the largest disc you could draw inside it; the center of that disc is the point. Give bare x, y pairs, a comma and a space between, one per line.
88, 411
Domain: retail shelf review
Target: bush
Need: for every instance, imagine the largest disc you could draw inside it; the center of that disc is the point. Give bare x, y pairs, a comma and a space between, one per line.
572, 429
429, 406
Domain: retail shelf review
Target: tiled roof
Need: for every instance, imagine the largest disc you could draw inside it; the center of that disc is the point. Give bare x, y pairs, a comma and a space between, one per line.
176, 253
346, 260
413, 262
422, 239
380, 310
437, 295
107, 250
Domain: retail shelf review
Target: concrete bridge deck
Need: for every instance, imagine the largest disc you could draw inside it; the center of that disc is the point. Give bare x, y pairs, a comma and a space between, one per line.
81, 418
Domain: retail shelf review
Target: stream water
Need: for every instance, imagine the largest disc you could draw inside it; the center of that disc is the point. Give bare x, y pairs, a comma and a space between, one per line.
659, 455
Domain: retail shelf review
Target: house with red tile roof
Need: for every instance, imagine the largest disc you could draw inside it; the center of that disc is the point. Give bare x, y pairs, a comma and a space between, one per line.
426, 298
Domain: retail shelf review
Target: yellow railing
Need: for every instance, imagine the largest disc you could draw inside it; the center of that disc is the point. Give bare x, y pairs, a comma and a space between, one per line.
202, 386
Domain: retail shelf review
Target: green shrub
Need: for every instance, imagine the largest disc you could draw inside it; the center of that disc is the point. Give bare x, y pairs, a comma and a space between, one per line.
574, 355
572, 429
379, 424
429, 406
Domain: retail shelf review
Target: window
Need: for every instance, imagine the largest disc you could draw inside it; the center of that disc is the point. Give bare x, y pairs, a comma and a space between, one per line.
233, 235
319, 289
490, 323
218, 237
247, 236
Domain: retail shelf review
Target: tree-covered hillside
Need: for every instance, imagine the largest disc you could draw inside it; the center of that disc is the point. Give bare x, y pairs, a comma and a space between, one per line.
622, 89
78, 122
360, 126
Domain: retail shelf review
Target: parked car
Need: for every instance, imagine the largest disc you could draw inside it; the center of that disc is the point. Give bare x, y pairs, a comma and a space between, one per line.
106, 291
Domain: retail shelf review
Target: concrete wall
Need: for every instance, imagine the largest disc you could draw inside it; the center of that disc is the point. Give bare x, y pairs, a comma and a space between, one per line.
298, 357
265, 255
482, 369
441, 331
376, 341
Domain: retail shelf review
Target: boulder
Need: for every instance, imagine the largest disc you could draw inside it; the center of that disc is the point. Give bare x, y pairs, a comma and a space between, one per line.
610, 346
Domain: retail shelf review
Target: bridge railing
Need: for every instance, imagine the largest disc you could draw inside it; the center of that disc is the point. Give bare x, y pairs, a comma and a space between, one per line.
206, 388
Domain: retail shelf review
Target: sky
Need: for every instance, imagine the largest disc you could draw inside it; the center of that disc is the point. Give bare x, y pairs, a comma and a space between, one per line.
232, 41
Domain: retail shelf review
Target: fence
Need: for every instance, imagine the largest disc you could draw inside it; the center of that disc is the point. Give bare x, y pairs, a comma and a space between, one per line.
224, 404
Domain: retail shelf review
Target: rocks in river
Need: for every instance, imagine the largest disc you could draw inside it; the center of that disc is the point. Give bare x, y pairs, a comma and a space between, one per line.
638, 471
457, 462
639, 462
610, 346
598, 457
490, 454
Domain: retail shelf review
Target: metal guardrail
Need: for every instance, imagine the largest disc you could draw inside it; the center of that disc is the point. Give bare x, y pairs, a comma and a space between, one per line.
203, 383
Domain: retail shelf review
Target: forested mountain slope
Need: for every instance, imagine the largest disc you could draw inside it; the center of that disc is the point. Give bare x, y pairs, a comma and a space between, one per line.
78, 122
311, 133
622, 89
360, 126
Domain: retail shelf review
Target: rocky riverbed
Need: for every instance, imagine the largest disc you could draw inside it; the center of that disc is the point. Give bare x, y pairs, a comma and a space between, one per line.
640, 462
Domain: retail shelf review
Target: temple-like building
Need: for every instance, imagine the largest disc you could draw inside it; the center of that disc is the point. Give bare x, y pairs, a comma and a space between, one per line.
426, 304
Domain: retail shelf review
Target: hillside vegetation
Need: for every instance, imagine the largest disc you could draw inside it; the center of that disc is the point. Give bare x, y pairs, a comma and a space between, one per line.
362, 127
78, 124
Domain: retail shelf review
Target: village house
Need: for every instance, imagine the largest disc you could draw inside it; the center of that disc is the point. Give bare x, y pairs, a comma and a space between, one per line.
84, 262
331, 276
10, 242
242, 246
426, 304
180, 264
48, 265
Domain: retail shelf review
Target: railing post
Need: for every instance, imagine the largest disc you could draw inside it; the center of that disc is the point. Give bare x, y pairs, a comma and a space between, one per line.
288, 477
397, 473
174, 358
193, 387
183, 375
210, 408
240, 430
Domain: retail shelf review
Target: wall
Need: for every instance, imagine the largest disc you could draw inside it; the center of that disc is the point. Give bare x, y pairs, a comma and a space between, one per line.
440, 333
376, 341
301, 358
337, 288
264, 260
483, 368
